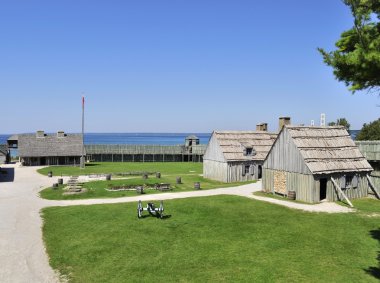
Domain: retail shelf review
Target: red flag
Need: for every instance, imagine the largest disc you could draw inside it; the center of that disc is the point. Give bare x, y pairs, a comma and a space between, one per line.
83, 101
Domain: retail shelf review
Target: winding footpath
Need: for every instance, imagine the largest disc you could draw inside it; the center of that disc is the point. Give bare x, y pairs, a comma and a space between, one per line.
22, 253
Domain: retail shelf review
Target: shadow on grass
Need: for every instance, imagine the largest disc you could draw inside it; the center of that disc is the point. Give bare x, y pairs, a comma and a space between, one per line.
91, 164
163, 217
375, 271
7, 174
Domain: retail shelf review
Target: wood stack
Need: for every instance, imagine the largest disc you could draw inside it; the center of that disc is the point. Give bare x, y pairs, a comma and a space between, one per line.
73, 185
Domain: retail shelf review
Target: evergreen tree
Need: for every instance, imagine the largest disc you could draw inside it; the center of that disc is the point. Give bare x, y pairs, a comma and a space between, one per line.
369, 132
356, 61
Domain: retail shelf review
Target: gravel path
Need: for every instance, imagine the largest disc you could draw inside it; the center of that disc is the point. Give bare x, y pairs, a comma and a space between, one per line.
22, 253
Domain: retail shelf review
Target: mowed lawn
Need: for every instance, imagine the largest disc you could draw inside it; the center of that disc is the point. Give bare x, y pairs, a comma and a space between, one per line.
214, 239
98, 189
189, 173
124, 167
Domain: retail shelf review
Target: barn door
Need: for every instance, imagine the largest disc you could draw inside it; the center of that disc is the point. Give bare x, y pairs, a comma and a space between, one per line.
322, 189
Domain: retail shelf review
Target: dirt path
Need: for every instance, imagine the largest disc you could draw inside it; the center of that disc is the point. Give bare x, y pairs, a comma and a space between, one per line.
22, 254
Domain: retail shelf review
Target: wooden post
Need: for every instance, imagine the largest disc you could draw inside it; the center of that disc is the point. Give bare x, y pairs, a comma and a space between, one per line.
372, 186
340, 190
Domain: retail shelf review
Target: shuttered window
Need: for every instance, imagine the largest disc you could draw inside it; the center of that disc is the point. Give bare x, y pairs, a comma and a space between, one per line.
349, 181
252, 170
246, 169
355, 181
343, 182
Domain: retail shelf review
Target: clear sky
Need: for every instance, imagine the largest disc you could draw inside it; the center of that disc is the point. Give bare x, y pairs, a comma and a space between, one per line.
171, 65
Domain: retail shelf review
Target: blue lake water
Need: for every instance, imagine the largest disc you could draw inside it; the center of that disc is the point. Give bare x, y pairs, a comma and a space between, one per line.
143, 138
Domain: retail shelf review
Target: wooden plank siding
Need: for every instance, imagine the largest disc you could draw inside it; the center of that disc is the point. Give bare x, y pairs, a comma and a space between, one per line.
51, 161
285, 156
235, 171
215, 170
307, 187
304, 185
370, 149
352, 193
213, 151
229, 172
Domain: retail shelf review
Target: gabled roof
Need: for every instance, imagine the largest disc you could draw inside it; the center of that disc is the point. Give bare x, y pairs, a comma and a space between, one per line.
192, 137
233, 143
13, 138
50, 145
328, 150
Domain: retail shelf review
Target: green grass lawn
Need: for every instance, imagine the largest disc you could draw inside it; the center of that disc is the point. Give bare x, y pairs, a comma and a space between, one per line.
122, 167
97, 189
213, 239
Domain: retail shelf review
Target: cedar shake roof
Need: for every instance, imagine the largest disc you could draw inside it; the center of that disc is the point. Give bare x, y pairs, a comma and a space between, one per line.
328, 149
29, 145
233, 144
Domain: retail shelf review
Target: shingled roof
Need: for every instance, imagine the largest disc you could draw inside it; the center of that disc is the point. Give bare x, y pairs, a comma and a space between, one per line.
233, 143
29, 145
328, 149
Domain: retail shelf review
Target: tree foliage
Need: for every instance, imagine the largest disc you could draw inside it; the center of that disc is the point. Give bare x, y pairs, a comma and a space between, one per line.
356, 61
341, 122
370, 131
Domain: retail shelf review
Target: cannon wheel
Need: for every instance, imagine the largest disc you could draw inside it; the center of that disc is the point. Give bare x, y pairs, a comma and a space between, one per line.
161, 209
139, 209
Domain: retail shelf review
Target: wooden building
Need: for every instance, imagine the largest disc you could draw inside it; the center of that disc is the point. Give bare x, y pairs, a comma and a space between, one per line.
234, 156
4, 154
318, 163
371, 151
42, 149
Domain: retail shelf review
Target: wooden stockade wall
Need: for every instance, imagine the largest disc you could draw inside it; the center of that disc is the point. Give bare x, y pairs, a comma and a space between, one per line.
144, 153
371, 151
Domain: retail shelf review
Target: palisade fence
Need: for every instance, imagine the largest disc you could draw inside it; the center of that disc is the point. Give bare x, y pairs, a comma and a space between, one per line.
371, 151
144, 153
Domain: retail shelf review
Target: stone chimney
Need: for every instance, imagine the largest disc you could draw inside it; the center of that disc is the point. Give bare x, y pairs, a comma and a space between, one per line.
61, 134
40, 134
283, 121
262, 127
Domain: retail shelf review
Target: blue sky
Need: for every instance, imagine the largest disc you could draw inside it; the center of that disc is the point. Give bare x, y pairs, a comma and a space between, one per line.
171, 65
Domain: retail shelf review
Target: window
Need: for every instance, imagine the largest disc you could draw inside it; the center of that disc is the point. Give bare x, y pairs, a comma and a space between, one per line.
248, 151
348, 182
245, 169
252, 169
355, 182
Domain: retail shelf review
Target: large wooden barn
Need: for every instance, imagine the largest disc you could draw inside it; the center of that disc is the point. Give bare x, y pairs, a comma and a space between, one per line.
318, 163
234, 156
56, 149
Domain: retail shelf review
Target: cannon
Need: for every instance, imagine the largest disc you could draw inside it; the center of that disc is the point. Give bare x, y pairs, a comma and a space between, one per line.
151, 208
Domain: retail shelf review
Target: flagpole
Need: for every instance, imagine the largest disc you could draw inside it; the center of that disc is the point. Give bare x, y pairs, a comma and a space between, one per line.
82, 159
